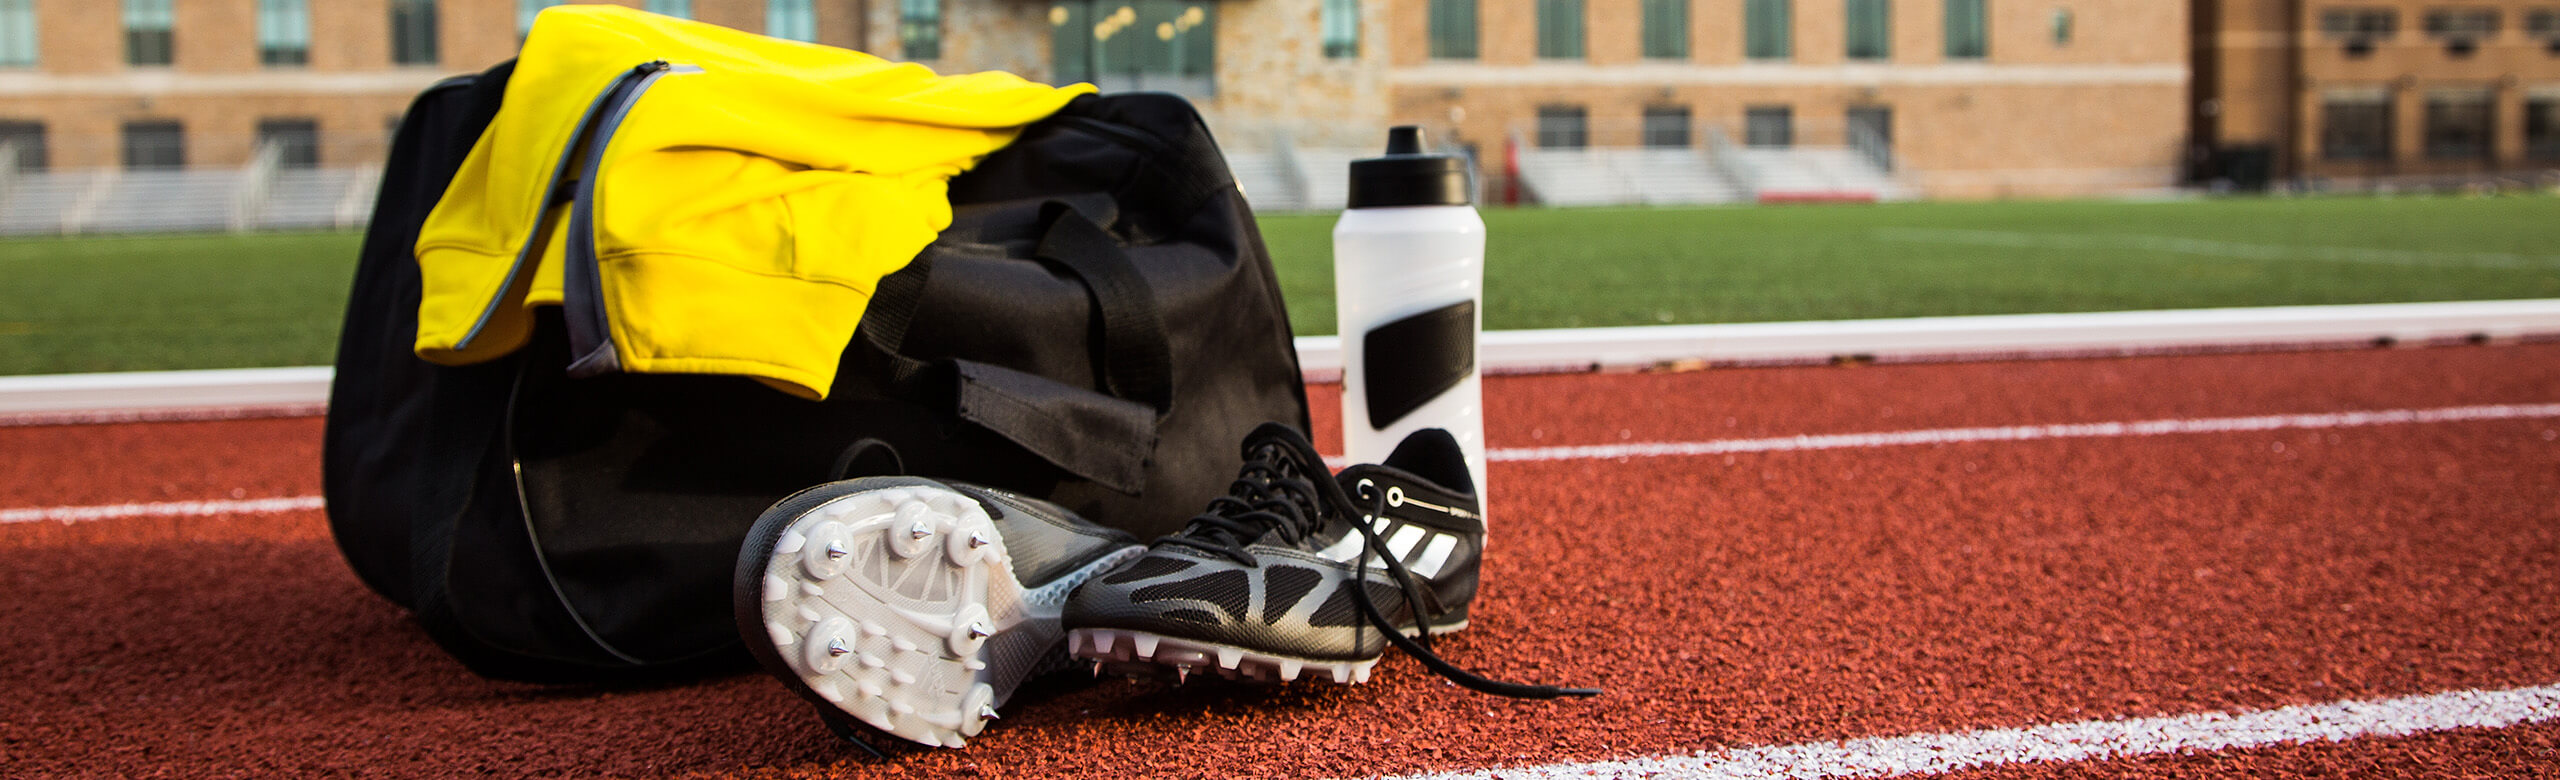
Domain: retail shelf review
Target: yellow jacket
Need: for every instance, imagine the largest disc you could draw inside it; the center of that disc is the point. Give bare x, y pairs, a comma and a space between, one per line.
742, 210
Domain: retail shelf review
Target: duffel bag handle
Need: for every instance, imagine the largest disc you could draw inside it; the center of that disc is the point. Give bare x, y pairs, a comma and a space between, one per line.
1137, 362
1136, 356
1104, 437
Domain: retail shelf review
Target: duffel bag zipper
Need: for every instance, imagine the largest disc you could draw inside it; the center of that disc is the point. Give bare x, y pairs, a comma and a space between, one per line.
614, 101
591, 347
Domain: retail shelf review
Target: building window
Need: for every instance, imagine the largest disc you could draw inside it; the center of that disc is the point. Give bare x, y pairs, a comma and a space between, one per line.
1769, 126
2459, 124
1870, 29
22, 143
1767, 34
920, 29
1341, 22
681, 9
413, 32
1666, 29
1453, 29
1560, 29
2461, 29
1563, 127
2544, 25
2359, 29
296, 141
149, 145
284, 32
526, 10
791, 20
149, 32
2062, 26
1128, 45
17, 33
1666, 126
1968, 30
2355, 124
2541, 125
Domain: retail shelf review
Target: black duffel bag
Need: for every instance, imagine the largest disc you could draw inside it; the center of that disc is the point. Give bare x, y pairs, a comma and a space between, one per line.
1099, 327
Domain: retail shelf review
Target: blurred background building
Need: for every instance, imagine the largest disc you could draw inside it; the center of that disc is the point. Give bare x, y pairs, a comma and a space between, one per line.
120, 115
2368, 91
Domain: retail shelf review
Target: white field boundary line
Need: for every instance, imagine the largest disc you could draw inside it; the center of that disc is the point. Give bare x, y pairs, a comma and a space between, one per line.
2012, 433
68, 515
2095, 740
79, 514
2206, 248
268, 392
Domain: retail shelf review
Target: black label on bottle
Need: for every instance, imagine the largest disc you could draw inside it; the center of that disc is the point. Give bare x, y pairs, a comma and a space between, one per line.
1410, 361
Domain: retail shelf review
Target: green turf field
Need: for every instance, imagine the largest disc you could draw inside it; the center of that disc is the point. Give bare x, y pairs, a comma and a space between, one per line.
122, 304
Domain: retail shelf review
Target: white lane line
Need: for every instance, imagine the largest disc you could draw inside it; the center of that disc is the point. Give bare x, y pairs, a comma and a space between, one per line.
2096, 740
67, 515
2208, 248
78, 514
2034, 432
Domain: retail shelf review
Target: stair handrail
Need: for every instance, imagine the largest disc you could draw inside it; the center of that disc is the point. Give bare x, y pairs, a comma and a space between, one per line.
1727, 160
257, 181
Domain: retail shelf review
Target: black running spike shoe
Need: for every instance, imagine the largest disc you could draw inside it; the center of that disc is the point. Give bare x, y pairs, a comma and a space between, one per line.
910, 606
1290, 576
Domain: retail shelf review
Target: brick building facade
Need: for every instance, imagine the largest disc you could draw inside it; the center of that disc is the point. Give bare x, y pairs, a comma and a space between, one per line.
2377, 88
1965, 97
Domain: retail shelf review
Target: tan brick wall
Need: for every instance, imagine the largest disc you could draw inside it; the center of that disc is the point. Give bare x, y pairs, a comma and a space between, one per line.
216, 40
1006, 35
78, 36
2100, 112
87, 132
1273, 80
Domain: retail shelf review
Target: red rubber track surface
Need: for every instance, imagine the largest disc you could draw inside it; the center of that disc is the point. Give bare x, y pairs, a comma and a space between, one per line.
1723, 601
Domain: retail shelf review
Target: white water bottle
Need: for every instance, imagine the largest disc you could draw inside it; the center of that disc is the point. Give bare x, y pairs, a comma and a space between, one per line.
1408, 283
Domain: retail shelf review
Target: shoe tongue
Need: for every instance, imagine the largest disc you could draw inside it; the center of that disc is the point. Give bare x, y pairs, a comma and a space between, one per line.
1269, 462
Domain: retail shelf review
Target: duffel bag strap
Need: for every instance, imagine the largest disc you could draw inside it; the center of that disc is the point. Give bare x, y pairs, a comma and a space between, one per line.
892, 309
1137, 359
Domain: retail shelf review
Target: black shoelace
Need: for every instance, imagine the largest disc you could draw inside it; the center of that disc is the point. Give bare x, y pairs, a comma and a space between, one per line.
1273, 492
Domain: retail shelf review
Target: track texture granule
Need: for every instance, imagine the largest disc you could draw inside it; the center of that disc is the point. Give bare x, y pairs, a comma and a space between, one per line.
1724, 601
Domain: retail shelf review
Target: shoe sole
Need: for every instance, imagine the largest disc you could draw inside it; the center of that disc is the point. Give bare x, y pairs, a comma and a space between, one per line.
892, 602
1139, 652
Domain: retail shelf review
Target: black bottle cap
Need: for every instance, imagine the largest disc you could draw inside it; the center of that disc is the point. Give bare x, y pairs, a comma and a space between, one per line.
1408, 177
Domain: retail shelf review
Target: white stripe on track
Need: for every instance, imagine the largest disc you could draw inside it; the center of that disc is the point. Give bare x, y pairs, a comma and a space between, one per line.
78, 514
2033, 432
2012, 239
2097, 740
67, 515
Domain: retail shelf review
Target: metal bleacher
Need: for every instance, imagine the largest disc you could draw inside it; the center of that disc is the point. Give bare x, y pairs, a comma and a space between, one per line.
262, 195
1612, 176
317, 198
1818, 172
37, 202
164, 200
